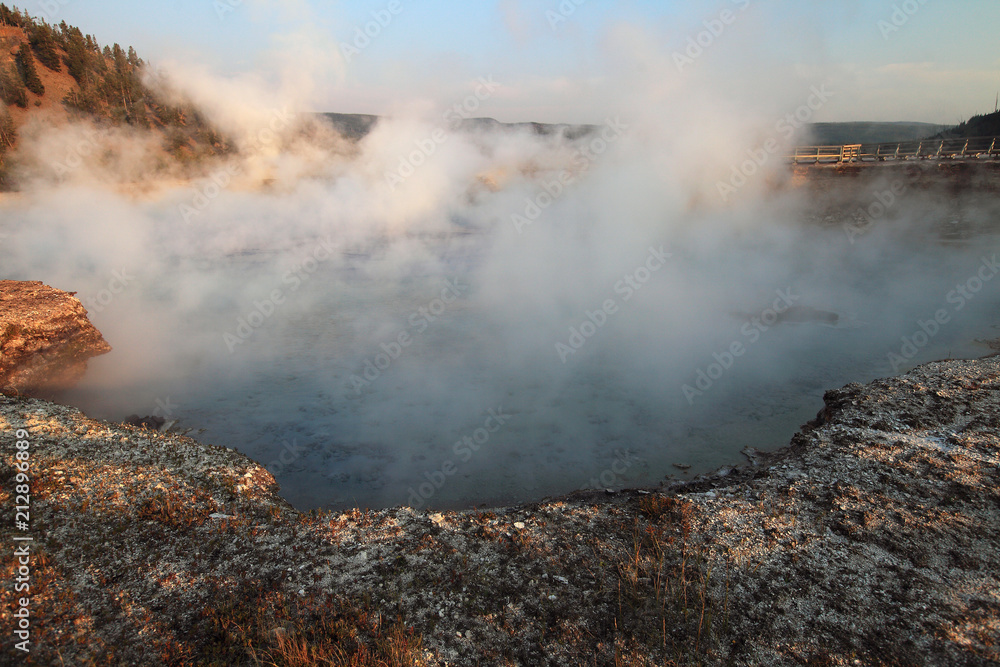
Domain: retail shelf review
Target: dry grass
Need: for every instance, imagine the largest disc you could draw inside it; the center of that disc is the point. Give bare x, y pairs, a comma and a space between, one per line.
664, 600
251, 627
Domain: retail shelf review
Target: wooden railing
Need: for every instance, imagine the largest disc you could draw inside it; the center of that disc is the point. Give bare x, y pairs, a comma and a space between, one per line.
948, 149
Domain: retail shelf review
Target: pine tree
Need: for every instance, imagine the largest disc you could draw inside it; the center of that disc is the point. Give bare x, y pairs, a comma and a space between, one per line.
76, 58
8, 133
110, 85
26, 68
83, 100
43, 43
138, 115
11, 18
118, 56
12, 90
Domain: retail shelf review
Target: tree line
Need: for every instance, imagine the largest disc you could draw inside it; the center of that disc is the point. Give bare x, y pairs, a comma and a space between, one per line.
109, 86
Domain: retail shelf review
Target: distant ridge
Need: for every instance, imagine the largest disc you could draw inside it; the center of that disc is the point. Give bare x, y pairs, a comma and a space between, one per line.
356, 126
985, 125
352, 125
837, 134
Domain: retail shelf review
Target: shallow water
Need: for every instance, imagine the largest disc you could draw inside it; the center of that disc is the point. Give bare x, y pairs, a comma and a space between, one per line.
478, 407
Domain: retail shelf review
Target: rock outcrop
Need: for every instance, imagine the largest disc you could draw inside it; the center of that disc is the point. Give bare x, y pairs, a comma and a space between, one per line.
874, 538
45, 338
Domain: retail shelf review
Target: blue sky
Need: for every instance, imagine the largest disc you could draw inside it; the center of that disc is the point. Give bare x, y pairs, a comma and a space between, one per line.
914, 60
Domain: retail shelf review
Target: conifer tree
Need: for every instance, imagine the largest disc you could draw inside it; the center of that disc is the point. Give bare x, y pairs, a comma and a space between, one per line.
77, 57
12, 90
6, 16
118, 56
43, 43
109, 85
13, 17
8, 133
26, 68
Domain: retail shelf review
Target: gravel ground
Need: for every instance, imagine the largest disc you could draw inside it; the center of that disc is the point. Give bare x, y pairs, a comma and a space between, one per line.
873, 538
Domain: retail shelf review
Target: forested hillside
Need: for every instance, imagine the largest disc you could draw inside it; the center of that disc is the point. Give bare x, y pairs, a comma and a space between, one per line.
982, 125
58, 71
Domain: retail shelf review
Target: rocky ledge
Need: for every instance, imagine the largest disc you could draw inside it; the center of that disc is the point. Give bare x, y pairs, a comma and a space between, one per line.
45, 338
874, 538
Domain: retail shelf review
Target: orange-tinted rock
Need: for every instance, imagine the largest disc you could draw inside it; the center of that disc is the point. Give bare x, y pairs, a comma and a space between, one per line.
45, 338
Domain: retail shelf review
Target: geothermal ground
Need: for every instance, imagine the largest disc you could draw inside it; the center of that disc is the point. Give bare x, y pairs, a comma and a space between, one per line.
871, 539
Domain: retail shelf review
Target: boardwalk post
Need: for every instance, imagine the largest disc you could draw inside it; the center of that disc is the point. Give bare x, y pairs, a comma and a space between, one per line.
850, 153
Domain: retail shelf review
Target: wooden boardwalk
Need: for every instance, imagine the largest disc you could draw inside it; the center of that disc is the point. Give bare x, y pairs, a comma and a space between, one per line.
977, 148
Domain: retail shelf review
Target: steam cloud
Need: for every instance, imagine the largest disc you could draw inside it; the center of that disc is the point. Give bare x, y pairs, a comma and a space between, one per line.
358, 325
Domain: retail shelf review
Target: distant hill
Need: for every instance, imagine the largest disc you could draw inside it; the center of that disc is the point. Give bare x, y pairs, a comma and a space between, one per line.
835, 134
356, 126
352, 125
986, 125
542, 129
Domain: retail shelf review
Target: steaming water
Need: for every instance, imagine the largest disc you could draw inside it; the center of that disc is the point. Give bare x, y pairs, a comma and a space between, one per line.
614, 414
